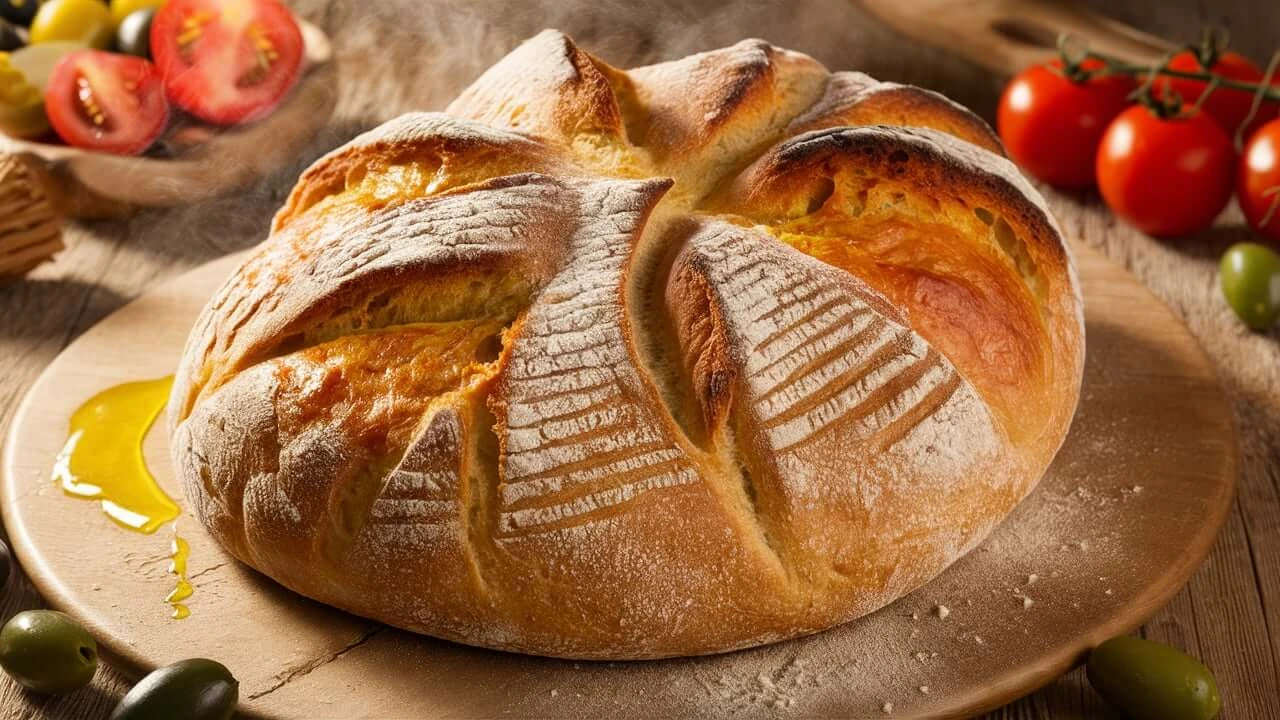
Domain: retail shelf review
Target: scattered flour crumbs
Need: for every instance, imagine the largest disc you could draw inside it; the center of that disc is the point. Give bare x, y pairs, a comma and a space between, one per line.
1030, 577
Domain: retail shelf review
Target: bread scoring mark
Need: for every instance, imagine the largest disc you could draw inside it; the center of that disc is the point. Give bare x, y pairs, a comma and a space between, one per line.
424, 488
574, 344
551, 478
563, 403
612, 420
844, 386
615, 465
790, 300
822, 350
870, 408
586, 406
424, 248
592, 508
836, 370
429, 153
818, 356
901, 426
976, 268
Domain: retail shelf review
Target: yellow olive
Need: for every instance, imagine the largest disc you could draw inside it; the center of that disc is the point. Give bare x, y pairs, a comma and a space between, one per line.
21, 103
82, 21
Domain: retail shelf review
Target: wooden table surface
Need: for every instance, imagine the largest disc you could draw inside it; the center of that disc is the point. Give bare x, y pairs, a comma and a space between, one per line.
404, 55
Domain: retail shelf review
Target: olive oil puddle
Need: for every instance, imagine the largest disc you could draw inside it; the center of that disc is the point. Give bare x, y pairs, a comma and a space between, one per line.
102, 460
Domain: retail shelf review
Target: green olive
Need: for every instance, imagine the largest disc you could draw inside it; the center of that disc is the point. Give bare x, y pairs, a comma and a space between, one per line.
9, 37
121, 9
47, 651
82, 21
133, 37
1149, 681
19, 12
21, 105
194, 689
1251, 283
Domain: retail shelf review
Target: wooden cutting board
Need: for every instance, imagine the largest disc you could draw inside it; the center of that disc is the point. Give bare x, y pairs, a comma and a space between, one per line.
1126, 513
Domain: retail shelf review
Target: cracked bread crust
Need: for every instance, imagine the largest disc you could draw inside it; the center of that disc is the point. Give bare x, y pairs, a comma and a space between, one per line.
635, 364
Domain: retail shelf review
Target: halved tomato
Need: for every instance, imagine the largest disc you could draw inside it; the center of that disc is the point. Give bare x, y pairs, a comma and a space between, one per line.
103, 101
226, 61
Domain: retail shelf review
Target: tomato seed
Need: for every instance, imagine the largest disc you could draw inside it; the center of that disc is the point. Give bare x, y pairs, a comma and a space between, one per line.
89, 106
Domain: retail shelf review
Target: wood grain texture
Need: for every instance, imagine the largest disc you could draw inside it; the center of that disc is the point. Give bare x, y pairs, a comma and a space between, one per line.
400, 55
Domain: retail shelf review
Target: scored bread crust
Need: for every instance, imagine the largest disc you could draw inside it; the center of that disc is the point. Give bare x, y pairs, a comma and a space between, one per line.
635, 364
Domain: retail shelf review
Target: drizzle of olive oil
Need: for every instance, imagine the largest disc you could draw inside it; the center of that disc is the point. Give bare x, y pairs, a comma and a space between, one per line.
179, 551
102, 460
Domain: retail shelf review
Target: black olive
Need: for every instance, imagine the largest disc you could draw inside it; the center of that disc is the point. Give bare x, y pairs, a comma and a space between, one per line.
19, 12
9, 37
195, 689
6, 563
134, 35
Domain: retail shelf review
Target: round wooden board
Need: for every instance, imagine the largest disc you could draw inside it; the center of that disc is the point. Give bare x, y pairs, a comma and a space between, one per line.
1128, 510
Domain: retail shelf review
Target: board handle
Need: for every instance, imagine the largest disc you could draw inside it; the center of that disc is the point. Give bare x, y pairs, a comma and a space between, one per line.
1007, 36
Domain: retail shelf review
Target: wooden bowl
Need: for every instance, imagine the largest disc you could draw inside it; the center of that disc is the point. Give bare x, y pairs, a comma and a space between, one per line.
84, 183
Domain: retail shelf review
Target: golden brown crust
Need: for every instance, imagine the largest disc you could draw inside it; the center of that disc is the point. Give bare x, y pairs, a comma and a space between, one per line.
853, 98
547, 86
627, 364
950, 237
413, 155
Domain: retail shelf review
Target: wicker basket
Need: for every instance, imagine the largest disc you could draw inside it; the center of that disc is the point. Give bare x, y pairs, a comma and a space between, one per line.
30, 228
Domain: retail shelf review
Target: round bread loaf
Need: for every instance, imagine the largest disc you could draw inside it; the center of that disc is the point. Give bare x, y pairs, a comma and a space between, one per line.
606, 364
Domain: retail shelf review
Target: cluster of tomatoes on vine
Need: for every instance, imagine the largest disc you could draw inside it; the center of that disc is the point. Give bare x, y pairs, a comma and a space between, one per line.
1166, 146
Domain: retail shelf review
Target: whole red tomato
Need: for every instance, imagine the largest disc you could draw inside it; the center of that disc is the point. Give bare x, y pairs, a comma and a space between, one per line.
1052, 125
1258, 184
1228, 106
1166, 176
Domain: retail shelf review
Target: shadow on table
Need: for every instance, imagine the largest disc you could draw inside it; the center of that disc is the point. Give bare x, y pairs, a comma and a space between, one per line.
26, 303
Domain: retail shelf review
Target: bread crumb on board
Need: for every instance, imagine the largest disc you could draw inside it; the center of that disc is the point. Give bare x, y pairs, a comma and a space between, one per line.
942, 611
887, 708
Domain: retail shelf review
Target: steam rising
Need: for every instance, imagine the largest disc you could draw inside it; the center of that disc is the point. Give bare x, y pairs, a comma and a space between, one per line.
397, 56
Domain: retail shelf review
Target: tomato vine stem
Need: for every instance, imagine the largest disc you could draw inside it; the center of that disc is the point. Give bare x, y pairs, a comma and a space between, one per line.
1115, 66
1074, 54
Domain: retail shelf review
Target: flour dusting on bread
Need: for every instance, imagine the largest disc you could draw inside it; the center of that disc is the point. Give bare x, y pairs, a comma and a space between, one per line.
643, 363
